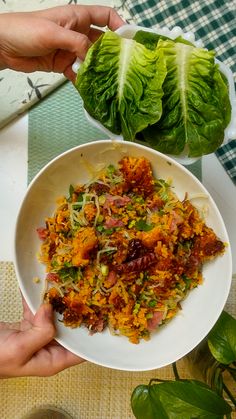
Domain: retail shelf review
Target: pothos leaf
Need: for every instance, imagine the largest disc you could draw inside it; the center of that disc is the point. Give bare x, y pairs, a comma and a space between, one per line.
143, 406
222, 339
178, 399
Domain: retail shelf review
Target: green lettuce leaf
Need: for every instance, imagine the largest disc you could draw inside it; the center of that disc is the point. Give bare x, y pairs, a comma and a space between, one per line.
196, 105
120, 83
150, 39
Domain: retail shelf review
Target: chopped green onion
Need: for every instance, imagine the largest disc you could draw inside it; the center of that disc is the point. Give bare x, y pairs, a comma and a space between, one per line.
152, 303
136, 308
104, 270
102, 199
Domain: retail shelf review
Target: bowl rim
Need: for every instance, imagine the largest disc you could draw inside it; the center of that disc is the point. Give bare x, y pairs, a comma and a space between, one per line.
106, 142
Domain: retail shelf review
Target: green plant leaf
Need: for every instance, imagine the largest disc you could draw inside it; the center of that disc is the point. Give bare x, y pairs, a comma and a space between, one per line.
186, 399
222, 339
144, 407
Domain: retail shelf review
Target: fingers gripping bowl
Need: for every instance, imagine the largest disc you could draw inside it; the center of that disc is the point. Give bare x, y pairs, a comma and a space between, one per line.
200, 309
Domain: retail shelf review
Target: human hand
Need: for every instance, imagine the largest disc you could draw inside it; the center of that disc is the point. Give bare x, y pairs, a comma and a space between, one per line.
51, 39
28, 349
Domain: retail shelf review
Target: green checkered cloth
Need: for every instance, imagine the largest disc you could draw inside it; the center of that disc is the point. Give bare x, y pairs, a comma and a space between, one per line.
227, 156
212, 21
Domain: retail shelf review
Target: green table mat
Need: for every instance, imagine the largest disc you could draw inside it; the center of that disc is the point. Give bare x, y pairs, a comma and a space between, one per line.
58, 123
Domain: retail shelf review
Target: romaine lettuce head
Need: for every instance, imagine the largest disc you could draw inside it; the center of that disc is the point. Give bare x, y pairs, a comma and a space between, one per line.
196, 105
120, 83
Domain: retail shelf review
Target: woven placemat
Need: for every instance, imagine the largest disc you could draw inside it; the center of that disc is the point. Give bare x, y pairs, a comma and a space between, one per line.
86, 391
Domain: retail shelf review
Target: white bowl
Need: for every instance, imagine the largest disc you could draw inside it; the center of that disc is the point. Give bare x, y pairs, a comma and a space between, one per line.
129, 31
199, 311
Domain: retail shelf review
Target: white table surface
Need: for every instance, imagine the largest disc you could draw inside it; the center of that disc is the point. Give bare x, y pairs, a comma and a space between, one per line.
13, 184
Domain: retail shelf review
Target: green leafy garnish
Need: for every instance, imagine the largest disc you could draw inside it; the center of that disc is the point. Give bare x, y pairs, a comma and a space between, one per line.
187, 281
105, 230
141, 225
152, 303
71, 191
68, 272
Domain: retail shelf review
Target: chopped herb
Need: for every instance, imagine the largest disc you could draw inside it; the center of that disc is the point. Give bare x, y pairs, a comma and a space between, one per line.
100, 218
102, 199
129, 207
143, 226
145, 276
152, 303
80, 197
139, 199
139, 281
67, 265
110, 170
66, 273
102, 229
131, 224
161, 183
163, 189
104, 270
136, 308
54, 263
164, 195
187, 281
71, 191
187, 244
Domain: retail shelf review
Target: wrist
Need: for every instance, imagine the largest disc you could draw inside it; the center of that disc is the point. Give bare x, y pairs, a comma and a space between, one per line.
3, 64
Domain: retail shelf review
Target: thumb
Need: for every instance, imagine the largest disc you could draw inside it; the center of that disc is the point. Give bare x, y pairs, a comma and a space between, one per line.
41, 333
72, 41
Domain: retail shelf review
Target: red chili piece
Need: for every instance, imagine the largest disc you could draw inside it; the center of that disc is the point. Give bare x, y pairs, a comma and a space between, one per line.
139, 264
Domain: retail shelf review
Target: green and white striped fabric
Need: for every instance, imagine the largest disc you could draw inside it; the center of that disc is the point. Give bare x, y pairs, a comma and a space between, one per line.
213, 22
